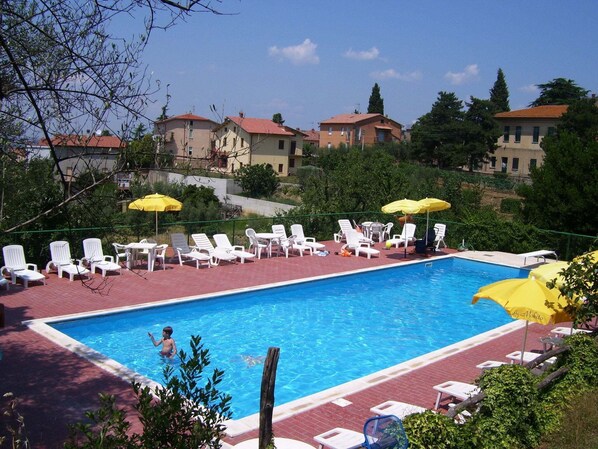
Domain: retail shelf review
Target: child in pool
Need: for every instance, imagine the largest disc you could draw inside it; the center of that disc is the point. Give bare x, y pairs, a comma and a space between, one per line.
167, 342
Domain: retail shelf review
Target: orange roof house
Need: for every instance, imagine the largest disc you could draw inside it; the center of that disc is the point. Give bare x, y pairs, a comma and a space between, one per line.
241, 140
358, 129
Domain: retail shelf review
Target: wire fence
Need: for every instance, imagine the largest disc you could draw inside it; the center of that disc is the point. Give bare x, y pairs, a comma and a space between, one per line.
511, 237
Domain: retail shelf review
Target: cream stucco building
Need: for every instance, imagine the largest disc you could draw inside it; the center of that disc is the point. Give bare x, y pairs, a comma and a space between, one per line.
519, 146
241, 141
188, 137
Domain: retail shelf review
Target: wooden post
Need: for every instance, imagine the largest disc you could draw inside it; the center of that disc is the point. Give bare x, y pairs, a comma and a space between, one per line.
267, 397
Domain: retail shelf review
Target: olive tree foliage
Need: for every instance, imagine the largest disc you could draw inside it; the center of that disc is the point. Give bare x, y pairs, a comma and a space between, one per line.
257, 180
64, 71
579, 287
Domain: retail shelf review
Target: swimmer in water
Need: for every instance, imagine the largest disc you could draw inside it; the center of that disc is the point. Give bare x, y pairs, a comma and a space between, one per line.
168, 344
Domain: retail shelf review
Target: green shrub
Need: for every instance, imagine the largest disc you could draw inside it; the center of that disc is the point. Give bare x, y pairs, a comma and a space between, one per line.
508, 416
510, 206
183, 414
432, 430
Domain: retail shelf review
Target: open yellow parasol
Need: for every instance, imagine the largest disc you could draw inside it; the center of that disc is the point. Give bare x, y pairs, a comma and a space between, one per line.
156, 203
549, 271
526, 299
432, 205
404, 206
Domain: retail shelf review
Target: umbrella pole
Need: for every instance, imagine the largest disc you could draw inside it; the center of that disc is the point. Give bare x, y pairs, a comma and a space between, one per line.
156, 225
524, 341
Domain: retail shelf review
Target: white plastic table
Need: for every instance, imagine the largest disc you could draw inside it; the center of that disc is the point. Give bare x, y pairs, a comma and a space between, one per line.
133, 248
271, 237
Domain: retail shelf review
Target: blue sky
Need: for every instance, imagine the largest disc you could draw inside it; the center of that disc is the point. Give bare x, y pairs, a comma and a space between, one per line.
310, 60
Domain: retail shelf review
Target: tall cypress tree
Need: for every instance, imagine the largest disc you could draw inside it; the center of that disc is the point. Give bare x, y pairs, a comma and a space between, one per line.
376, 104
499, 94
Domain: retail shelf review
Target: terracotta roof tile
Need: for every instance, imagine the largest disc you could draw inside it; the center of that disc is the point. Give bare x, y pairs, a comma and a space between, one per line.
348, 118
261, 126
189, 116
92, 141
548, 111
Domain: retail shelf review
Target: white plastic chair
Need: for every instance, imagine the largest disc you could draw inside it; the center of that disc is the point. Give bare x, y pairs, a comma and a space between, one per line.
94, 256
290, 243
223, 243
121, 252
257, 244
62, 262
203, 243
160, 254
440, 234
356, 244
386, 231
297, 230
187, 254
16, 266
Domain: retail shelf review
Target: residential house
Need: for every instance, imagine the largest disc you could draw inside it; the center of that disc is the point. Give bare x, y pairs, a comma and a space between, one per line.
79, 154
519, 146
358, 129
241, 141
188, 137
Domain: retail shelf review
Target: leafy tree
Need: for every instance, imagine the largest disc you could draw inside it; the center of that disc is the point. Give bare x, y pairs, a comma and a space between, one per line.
564, 189
376, 104
277, 118
499, 94
559, 91
482, 131
182, 414
439, 135
579, 287
139, 153
257, 180
62, 72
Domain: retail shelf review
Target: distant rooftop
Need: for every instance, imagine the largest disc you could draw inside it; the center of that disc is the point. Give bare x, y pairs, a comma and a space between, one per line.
548, 111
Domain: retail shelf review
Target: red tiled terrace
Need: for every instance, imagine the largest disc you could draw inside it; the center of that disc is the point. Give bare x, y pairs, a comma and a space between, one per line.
55, 387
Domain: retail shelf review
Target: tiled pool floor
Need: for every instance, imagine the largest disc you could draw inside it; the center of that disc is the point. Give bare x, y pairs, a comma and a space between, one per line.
55, 387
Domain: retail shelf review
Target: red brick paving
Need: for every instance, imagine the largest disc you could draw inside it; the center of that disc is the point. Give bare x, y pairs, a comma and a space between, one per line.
56, 387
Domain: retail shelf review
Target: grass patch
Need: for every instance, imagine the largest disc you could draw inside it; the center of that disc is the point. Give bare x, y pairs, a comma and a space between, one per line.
579, 427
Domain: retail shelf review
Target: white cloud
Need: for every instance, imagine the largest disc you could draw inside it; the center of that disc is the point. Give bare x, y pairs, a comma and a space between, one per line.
304, 53
530, 88
364, 55
393, 74
470, 72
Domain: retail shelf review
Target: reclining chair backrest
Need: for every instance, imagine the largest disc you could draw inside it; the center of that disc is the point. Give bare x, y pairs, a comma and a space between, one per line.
385, 432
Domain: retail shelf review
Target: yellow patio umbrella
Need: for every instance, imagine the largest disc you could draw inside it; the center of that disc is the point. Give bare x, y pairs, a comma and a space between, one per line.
432, 205
404, 206
592, 254
549, 272
156, 203
525, 299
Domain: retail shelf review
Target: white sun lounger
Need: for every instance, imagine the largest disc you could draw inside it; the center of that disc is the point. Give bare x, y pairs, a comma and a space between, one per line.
515, 356
340, 438
540, 254
566, 330
490, 364
458, 390
396, 408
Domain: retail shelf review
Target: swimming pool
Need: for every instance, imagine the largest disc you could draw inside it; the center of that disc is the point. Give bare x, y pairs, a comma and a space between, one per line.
330, 331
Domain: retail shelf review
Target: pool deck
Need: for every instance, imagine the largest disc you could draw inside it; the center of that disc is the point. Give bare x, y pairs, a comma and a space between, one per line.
55, 386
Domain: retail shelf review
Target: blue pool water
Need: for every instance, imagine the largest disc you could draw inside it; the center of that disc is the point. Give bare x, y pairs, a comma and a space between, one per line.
329, 331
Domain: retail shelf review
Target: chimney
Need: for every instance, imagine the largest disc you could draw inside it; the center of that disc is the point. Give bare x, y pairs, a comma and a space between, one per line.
241, 114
